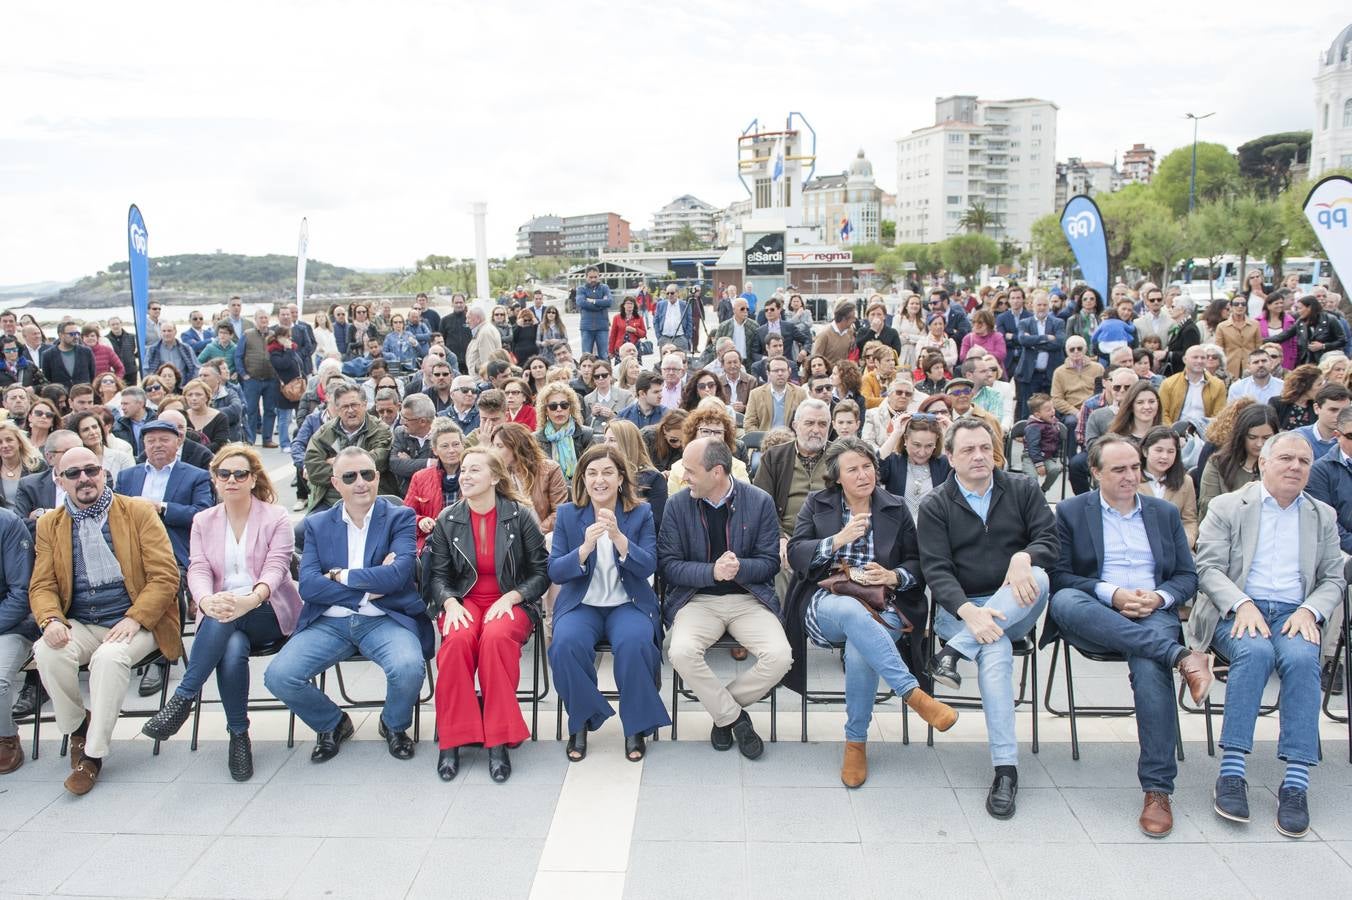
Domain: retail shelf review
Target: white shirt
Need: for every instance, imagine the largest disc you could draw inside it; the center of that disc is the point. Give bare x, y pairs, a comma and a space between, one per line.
237, 579
1193, 407
605, 588
356, 552
156, 483
1043, 357
671, 325
739, 337
1274, 571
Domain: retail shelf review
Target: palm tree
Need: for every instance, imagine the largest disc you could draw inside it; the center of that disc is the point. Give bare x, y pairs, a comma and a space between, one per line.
978, 218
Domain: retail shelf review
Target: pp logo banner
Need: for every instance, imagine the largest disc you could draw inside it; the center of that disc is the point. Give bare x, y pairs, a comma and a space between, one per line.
1329, 211
1082, 224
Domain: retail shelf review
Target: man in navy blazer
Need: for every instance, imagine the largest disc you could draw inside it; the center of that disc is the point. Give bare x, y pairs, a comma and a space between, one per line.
357, 584
1042, 337
178, 490
1124, 572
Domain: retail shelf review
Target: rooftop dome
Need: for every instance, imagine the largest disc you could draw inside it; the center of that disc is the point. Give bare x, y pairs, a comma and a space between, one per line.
1340, 48
861, 166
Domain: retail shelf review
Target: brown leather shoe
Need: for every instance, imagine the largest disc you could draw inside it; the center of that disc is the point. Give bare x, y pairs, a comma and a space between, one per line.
1157, 816
940, 715
81, 780
1195, 667
738, 653
854, 770
11, 754
77, 744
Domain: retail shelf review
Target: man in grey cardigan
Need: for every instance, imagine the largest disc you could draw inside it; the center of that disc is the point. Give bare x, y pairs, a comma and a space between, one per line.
1270, 574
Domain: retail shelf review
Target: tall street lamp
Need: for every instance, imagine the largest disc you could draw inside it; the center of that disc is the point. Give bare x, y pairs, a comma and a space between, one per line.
1192, 182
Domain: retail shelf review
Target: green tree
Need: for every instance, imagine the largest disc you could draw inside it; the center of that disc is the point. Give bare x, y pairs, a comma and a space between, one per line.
890, 266
978, 218
924, 257
867, 253
1050, 244
1123, 212
1217, 172
1265, 162
887, 232
1240, 225
685, 238
965, 254
1159, 243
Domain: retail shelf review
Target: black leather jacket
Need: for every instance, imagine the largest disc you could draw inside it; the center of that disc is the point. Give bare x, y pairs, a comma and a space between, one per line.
518, 551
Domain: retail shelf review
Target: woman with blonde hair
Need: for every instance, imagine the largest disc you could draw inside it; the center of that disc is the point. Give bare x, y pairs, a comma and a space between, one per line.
626, 375
559, 428
18, 458
486, 571
204, 418
709, 420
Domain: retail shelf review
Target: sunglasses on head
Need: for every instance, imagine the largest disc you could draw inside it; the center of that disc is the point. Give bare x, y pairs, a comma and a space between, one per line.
233, 474
367, 475
557, 405
924, 417
89, 471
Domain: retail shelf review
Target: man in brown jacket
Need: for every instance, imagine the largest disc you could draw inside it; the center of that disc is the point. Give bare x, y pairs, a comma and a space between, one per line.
104, 594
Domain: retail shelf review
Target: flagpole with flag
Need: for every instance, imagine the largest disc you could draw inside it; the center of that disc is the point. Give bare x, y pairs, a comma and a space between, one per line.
302, 250
777, 172
138, 269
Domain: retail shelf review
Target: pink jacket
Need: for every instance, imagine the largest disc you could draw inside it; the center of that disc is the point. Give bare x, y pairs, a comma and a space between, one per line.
993, 342
1289, 349
106, 360
271, 542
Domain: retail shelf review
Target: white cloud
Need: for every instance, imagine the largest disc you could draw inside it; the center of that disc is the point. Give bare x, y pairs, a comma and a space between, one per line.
381, 122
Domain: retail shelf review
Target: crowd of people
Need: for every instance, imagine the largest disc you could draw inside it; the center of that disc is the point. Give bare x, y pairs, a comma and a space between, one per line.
879, 484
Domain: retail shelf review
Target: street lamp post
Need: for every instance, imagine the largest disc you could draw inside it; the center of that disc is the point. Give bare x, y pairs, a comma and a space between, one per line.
1192, 182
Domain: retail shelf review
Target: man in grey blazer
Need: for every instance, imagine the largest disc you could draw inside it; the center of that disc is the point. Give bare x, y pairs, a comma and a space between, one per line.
1270, 574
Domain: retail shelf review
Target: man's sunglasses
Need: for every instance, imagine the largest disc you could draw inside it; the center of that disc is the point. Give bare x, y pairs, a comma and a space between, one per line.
233, 474
86, 471
367, 475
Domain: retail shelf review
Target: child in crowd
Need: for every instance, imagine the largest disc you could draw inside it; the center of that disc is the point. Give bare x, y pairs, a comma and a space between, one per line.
1042, 442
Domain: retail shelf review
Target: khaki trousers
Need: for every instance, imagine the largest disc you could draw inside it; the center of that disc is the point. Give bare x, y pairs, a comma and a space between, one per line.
702, 621
109, 672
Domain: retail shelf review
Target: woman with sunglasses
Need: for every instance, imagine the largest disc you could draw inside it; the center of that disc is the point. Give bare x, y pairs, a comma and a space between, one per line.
486, 570
18, 458
666, 439
504, 327
519, 407
155, 391
551, 334
1254, 293
239, 574
89, 426
702, 383
603, 553
108, 390
400, 346
559, 428
43, 419
359, 329
15, 366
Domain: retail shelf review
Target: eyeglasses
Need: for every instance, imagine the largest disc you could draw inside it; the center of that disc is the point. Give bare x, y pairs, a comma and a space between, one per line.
671, 293
960, 392
1120, 387
367, 475
11, 349
72, 334
709, 431
464, 390
821, 389
41, 413
924, 417
557, 405
1075, 350
233, 474
109, 381
510, 392
87, 471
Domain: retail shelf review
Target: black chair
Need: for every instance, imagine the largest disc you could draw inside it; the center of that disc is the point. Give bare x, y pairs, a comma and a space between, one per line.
1343, 650
603, 646
156, 658
1220, 666
752, 440
678, 690
1063, 457
350, 703
1072, 710
1025, 648
253, 705
827, 697
539, 674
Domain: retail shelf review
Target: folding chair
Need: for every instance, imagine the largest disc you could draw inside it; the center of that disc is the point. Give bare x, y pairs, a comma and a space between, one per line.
1015, 437
1025, 648
1072, 710
678, 690
603, 646
253, 705
539, 674
1344, 650
825, 697
155, 658
350, 703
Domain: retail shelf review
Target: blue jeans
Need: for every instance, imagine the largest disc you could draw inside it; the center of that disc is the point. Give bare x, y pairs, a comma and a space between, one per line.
572, 657
328, 640
283, 423
995, 661
225, 647
1252, 660
253, 397
595, 341
1152, 647
870, 652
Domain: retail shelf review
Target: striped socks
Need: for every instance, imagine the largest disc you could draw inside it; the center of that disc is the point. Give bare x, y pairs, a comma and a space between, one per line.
1297, 776
1233, 763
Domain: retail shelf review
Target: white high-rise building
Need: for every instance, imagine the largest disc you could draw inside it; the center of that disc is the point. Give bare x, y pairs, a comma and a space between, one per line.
684, 210
999, 154
1331, 147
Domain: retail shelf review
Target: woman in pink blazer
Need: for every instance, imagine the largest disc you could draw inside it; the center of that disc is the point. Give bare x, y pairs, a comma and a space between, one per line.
239, 573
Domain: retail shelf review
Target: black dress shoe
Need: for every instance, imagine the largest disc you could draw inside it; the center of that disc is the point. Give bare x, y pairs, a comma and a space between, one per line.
499, 763
721, 737
166, 723
577, 746
943, 668
744, 733
448, 763
400, 744
31, 696
328, 742
1000, 800
152, 682
635, 748
240, 757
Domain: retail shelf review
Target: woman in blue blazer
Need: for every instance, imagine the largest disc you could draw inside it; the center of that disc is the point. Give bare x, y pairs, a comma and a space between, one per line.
604, 551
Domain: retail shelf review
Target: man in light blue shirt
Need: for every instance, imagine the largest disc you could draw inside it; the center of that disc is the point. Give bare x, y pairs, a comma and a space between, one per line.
1125, 567
1259, 383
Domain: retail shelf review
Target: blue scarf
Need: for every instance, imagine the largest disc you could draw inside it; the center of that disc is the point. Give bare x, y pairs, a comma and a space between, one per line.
562, 440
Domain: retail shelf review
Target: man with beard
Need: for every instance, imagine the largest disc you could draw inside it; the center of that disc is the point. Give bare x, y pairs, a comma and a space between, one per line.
789, 472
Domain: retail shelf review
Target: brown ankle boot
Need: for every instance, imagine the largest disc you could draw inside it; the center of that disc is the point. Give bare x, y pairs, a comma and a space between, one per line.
940, 715
854, 770
11, 754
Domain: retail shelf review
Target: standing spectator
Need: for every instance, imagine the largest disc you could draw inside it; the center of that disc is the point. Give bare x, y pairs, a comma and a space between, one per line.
1238, 337
1042, 339
593, 300
105, 358
456, 331
485, 341
837, 340
552, 335
287, 364
984, 335
196, 335
1276, 320
169, 349
326, 341
125, 346
302, 335
256, 376
1183, 333
627, 327
1316, 332
525, 341
69, 362
876, 327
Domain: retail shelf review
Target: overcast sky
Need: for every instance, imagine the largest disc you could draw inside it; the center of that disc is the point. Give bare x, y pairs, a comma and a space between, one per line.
381, 121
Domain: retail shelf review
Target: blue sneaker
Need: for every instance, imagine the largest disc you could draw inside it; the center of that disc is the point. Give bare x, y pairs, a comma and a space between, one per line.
1293, 815
1232, 798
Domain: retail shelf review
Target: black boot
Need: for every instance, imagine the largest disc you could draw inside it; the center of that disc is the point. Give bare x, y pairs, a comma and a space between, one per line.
241, 757
499, 763
448, 763
166, 723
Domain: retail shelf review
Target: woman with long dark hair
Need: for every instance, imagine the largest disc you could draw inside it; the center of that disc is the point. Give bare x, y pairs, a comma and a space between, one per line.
535, 372
1276, 320
1086, 317
552, 333
603, 553
1163, 476
536, 477
627, 327
668, 440
701, 383
1236, 464
650, 484
1139, 412
1295, 407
